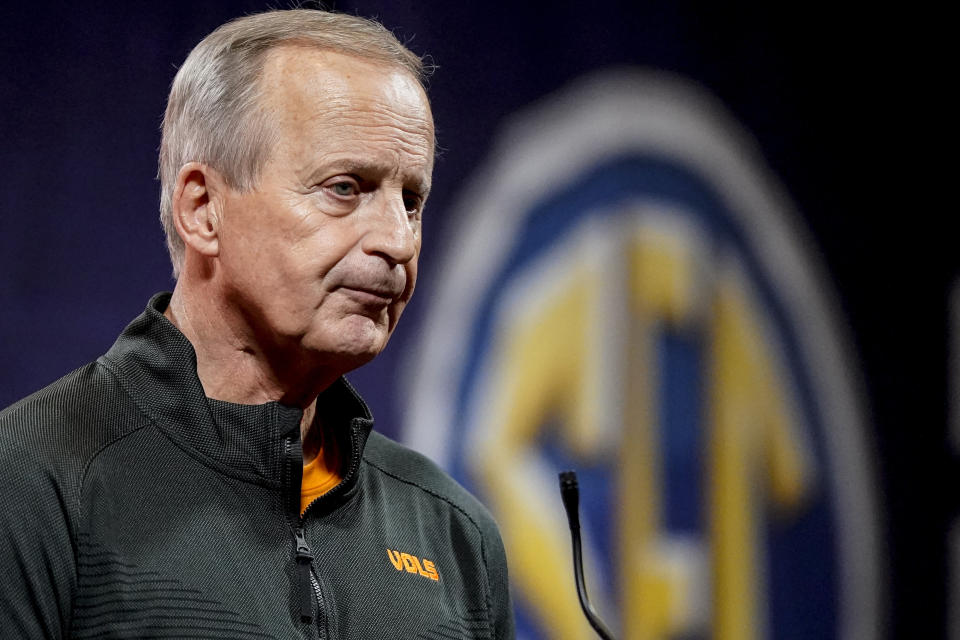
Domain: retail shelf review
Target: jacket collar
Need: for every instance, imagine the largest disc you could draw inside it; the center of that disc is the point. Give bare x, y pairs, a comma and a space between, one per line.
157, 366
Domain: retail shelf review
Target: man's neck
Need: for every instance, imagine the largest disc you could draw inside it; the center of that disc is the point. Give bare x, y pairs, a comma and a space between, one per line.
233, 368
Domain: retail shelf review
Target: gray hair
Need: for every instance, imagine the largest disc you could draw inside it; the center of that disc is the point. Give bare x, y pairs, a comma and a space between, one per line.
212, 114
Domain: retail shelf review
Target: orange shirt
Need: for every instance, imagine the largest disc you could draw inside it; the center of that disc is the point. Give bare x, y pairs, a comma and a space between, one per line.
319, 476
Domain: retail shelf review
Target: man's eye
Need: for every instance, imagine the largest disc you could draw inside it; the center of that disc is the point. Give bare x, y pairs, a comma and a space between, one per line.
412, 202
345, 189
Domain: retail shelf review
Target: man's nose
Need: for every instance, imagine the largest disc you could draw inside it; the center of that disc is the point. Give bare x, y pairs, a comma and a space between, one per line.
390, 232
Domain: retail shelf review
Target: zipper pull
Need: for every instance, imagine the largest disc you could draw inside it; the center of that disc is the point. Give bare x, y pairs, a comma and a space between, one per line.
304, 563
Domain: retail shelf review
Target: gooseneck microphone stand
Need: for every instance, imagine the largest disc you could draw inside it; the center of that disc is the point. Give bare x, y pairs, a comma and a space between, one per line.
570, 492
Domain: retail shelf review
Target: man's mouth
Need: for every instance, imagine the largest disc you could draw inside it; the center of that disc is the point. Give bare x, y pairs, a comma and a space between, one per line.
370, 295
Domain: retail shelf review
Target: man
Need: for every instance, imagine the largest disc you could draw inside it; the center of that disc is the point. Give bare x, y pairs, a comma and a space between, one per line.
212, 475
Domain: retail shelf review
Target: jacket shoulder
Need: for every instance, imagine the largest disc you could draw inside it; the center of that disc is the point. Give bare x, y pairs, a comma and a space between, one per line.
64, 424
46, 441
413, 468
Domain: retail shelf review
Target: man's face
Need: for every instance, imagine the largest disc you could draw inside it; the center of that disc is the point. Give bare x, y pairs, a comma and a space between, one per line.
321, 257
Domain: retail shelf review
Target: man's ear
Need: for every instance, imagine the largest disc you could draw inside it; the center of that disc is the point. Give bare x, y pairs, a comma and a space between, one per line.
197, 203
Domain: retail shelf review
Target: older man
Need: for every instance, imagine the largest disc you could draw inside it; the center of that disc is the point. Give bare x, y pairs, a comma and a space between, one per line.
213, 475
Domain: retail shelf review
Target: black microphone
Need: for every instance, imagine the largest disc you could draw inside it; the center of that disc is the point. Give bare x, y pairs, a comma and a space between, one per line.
570, 492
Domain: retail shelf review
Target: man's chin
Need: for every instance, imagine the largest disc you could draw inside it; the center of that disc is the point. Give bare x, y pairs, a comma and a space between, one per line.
351, 345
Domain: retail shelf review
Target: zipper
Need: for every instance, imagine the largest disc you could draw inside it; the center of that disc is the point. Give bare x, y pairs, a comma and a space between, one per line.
302, 553
308, 584
305, 581
319, 596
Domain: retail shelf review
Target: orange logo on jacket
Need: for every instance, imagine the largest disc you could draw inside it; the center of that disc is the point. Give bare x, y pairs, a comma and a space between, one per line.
413, 564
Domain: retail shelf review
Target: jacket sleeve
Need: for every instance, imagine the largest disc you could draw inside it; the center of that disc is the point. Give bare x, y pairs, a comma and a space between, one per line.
501, 602
37, 565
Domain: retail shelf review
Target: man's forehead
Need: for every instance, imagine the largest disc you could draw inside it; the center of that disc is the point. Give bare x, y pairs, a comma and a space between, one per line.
298, 71
301, 83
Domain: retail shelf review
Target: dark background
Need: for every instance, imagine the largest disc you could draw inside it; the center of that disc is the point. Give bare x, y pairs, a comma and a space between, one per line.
843, 104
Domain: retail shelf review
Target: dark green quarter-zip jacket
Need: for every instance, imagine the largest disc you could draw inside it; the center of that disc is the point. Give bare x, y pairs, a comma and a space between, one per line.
132, 506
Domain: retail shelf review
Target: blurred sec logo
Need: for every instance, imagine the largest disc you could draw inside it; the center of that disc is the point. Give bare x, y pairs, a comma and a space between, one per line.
627, 292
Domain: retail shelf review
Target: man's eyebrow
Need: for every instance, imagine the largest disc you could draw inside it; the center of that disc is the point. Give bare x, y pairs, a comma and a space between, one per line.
353, 165
366, 168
